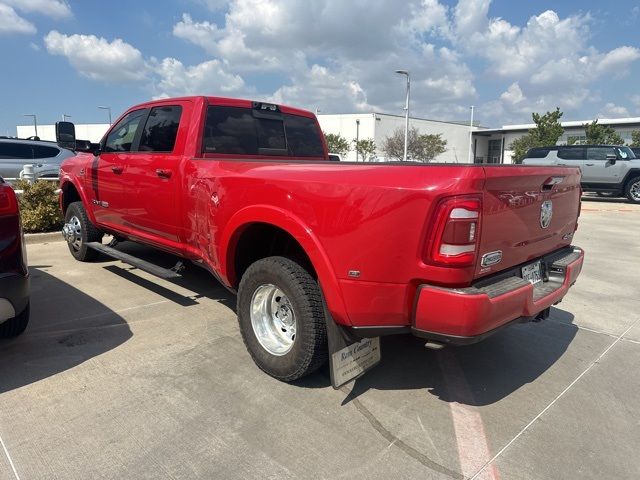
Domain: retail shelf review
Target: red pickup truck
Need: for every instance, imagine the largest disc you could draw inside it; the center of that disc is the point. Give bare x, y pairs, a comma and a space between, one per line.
450, 253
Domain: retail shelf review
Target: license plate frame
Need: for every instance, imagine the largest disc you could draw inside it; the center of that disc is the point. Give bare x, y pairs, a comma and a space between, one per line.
532, 272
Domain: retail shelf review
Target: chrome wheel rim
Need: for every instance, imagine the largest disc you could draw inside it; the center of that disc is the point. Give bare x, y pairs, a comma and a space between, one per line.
273, 319
634, 191
73, 232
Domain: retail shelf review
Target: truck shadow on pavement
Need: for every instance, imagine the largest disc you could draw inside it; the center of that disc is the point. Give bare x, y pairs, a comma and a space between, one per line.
196, 279
479, 374
66, 328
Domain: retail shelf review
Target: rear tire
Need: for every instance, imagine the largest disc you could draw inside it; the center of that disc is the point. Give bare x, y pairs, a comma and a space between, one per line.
82, 231
632, 190
281, 318
16, 325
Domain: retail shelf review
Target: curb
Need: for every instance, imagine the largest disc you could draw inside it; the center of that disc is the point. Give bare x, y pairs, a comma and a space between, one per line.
33, 238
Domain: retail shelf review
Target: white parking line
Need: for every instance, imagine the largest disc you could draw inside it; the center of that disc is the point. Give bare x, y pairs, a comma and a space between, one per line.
6, 452
526, 427
471, 438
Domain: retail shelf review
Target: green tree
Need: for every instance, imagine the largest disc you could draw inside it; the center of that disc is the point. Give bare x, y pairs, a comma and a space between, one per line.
635, 138
546, 133
602, 134
421, 147
365, 148
336, 143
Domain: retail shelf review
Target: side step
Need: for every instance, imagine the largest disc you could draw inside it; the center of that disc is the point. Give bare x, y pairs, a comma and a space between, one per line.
143, 265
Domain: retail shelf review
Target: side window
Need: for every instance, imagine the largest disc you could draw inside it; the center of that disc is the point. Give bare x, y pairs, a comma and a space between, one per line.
122, 135
230, 130
160, 130
12, 150
537, 153
599, 153
303, 136
42, 151
571, 153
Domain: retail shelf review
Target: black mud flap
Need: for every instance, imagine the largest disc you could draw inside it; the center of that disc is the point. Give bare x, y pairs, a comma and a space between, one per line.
350, 357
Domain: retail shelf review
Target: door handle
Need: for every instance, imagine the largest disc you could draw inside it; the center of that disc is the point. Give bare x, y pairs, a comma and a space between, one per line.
163, 173
589, 164
117, 169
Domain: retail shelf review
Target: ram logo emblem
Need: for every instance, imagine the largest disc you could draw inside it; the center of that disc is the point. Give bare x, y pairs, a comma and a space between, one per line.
546, 212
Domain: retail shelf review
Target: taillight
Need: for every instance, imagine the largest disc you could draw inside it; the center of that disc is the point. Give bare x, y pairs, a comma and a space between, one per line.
8, 201
456, 232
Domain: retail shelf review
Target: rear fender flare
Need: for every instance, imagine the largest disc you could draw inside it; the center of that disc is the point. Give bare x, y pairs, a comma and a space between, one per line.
301, 233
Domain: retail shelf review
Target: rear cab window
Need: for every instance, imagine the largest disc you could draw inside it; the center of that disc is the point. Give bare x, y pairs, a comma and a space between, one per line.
262, 131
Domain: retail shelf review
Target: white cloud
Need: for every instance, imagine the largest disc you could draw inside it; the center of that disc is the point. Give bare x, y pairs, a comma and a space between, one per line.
97, 58
611, 110
205, 78
513, 95
203, 34
51, 8
11, 22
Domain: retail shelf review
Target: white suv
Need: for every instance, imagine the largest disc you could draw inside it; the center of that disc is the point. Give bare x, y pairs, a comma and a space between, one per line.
606, 169
45, 156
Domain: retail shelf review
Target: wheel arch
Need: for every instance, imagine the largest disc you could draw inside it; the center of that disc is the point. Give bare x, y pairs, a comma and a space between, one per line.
70, 192
269, 222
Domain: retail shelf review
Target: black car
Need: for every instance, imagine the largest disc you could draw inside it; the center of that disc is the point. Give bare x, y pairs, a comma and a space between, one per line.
14, 274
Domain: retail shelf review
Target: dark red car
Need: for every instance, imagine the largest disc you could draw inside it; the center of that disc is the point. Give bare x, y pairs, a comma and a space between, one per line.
14, 274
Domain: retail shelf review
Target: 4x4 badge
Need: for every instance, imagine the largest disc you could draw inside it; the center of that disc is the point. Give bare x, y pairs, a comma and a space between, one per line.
546, 212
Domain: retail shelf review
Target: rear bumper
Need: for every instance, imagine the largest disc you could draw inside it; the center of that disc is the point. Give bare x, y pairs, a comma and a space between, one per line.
14, 294
467, 315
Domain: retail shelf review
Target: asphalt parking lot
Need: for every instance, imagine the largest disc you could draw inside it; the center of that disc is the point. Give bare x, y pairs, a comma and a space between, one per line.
121, 375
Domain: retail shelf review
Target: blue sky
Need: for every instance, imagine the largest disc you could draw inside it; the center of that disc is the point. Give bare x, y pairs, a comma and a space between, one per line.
505, 57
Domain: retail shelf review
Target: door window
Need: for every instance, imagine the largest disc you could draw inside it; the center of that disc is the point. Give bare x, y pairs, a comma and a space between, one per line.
571, 153
122, 136
599, 153
160, 130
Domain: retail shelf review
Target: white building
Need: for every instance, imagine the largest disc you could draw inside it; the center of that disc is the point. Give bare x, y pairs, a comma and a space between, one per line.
378, 126
88, 131
493, 145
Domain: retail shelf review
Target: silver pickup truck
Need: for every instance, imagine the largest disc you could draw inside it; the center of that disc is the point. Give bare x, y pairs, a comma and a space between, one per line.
606, 169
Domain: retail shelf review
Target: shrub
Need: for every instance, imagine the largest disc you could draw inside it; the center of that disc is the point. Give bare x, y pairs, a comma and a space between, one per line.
39, 209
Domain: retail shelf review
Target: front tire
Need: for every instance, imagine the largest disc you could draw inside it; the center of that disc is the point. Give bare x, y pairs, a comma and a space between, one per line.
632, 190
281, 318
16, 325
78, 231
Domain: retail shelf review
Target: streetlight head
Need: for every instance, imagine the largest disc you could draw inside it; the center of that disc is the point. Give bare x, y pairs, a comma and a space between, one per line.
99, 106
402, 72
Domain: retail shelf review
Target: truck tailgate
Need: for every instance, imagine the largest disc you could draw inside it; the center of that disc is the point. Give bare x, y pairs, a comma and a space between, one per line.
513, 222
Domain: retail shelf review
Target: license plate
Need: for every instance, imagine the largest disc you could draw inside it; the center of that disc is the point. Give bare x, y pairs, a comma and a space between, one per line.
353, 360
532, 273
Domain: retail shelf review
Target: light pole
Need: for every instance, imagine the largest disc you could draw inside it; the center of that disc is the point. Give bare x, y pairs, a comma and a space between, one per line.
65, 116
109, 110
471, 159
406, 113
357, 138
35, 121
